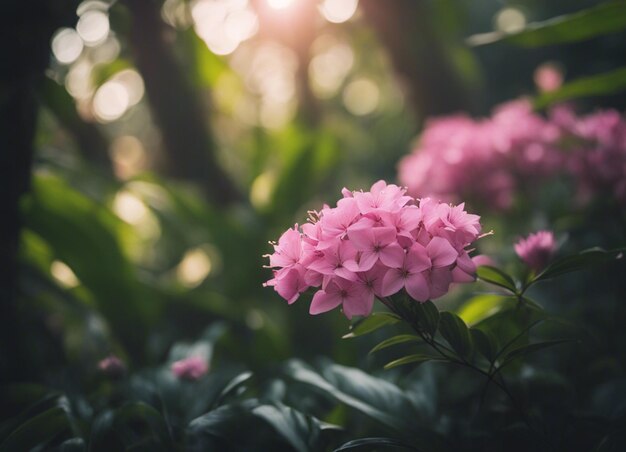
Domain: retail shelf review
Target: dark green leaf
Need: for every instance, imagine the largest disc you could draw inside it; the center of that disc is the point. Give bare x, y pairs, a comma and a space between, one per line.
300, 430
232, 385
73, 445
602, 19
454, 330
37, 431
427, 316
374, 443
482, 306
374, 397
580, 261
527, 349
372, 323
485, 343
400, 339
417, 358
496, 276
596, 85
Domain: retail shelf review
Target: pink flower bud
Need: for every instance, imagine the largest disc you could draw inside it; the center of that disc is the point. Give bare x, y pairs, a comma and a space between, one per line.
537, 249
191, 368
112, 366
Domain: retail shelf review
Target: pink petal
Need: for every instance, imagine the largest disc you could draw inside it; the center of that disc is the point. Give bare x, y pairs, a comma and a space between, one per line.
441, 252
393, 282
460, 276
417, 259
368, 259
324, 302
417, 287
344, 273
362, 238
392, 256
440, 279
384, 235
359, 302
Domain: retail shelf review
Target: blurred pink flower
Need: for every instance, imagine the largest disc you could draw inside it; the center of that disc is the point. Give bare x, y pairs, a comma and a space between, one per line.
375, 244
537, 249
191, 368
112, 366
548, 77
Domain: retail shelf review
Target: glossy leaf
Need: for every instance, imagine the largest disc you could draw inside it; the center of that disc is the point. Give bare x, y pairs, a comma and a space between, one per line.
369, 444
482, 306
580, 261
417, 359
496, 276
400, 339
454, 330
372, 323
232, 385
37, 431
424, 316
609, 17
301, 431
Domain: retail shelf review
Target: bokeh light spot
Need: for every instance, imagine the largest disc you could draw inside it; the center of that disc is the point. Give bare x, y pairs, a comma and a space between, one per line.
128, 156
338, 11
194, 267
67, 45
361, 97
510, 20
93, 27
280, 4
111, 101
63, 274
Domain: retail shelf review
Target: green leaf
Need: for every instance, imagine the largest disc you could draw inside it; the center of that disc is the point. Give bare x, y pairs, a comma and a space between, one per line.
485, 343
527, 349
596, 85
84, 235
496, 276
73, 445
37, 431
232, 385
580, 261
372, 323
375, 443
400, 339
417, 358
482, 306
374, 397
424, 316
300, 430
454, 330
602, 19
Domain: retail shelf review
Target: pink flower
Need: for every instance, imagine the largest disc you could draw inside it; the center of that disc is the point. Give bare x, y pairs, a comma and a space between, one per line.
191, 368
375, 244
112, 366
537, 249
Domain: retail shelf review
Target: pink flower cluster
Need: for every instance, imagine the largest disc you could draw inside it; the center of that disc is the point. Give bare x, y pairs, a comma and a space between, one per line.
491, 160
375, 244
537, 249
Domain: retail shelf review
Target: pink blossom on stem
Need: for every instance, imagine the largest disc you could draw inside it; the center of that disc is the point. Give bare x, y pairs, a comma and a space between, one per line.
537, 249
375, 244
112, 366
191, 368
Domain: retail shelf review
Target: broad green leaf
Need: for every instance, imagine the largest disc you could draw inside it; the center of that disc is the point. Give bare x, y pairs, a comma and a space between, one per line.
372, 323
424, 316
485, 343
73, 445
580, 261
300, 430
374, 397
595, 85
527, 349
454, 330
482, 306
400, 339
369, 444
37, 431
232, 385
609, 17
417, 358
84, 235
496, 276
